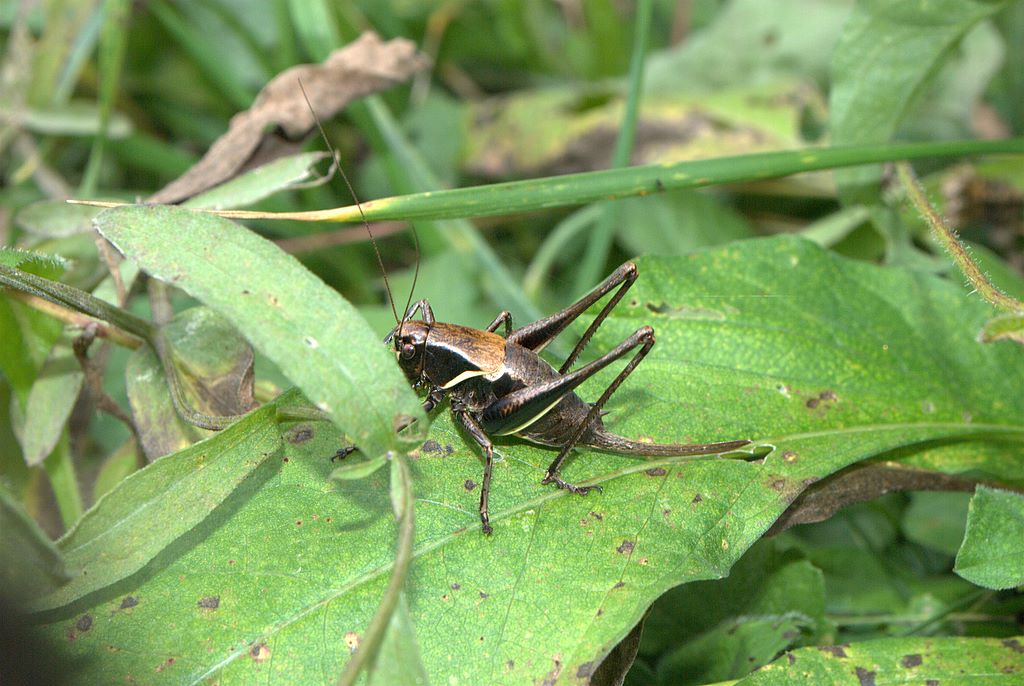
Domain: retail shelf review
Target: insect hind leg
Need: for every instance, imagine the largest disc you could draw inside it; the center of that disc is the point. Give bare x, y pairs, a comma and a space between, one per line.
643, 337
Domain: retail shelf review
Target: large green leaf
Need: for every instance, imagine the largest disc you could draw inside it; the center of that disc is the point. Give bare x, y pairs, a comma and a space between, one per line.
315, 337
153, 508
830, 361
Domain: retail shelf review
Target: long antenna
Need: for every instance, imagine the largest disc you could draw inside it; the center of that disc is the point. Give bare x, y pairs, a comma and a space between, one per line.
380, 262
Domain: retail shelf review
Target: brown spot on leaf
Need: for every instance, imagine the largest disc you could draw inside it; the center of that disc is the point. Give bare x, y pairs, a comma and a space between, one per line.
697, 498
828, 396
210, 602
1014, 645
352, 641
456, 586
932, 682
300, 434
510, 665
469, 485
778, 485
431, 446
298, 522
165, 664
644, 561
619, 584
552, 676
789, 456
596, 515
912, 660
448, 449
626, 547
833, 650
656, 471
865, 677
812, 403
84, 623
129, 601
791, 658
585, 671
484, 594
259, 652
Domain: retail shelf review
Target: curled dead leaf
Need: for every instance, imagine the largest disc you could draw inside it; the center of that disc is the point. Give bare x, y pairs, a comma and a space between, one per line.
279, 116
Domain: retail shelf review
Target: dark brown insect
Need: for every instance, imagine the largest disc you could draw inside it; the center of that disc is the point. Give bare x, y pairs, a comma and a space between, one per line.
501, 386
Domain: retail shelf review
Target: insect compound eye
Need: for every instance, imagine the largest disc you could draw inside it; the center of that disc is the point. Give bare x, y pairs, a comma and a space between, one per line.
408, 351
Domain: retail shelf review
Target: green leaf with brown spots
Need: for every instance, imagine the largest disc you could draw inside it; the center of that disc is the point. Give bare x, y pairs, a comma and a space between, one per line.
828, 360
154, 507
932, 660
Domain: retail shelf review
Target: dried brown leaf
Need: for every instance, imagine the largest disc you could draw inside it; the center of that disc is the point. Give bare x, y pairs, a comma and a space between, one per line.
280, 115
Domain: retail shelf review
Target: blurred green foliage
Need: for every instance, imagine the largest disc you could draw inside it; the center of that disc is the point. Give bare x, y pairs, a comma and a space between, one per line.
113, 99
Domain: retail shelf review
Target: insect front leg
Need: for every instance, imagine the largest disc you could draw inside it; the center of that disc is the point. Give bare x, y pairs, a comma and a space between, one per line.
434, 397
474, 429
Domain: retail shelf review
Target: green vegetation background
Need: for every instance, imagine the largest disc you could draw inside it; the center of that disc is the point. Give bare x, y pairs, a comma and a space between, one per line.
811, 313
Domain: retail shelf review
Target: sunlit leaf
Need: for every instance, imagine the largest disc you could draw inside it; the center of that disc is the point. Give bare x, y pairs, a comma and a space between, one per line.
828, 360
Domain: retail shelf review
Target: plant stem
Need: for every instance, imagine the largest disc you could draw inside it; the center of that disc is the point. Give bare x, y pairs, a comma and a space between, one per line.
402, 502
947, 237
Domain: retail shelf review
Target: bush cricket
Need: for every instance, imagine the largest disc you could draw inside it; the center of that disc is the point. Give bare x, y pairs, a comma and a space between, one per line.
500, 386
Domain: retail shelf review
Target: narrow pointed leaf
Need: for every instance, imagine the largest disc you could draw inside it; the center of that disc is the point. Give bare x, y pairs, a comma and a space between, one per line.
30, 563
50, 402
317, 339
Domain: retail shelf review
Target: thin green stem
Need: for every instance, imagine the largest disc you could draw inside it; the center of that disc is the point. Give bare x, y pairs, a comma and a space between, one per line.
75, 299
515, 197
600, 241
402, 502
968, 600
553, 246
